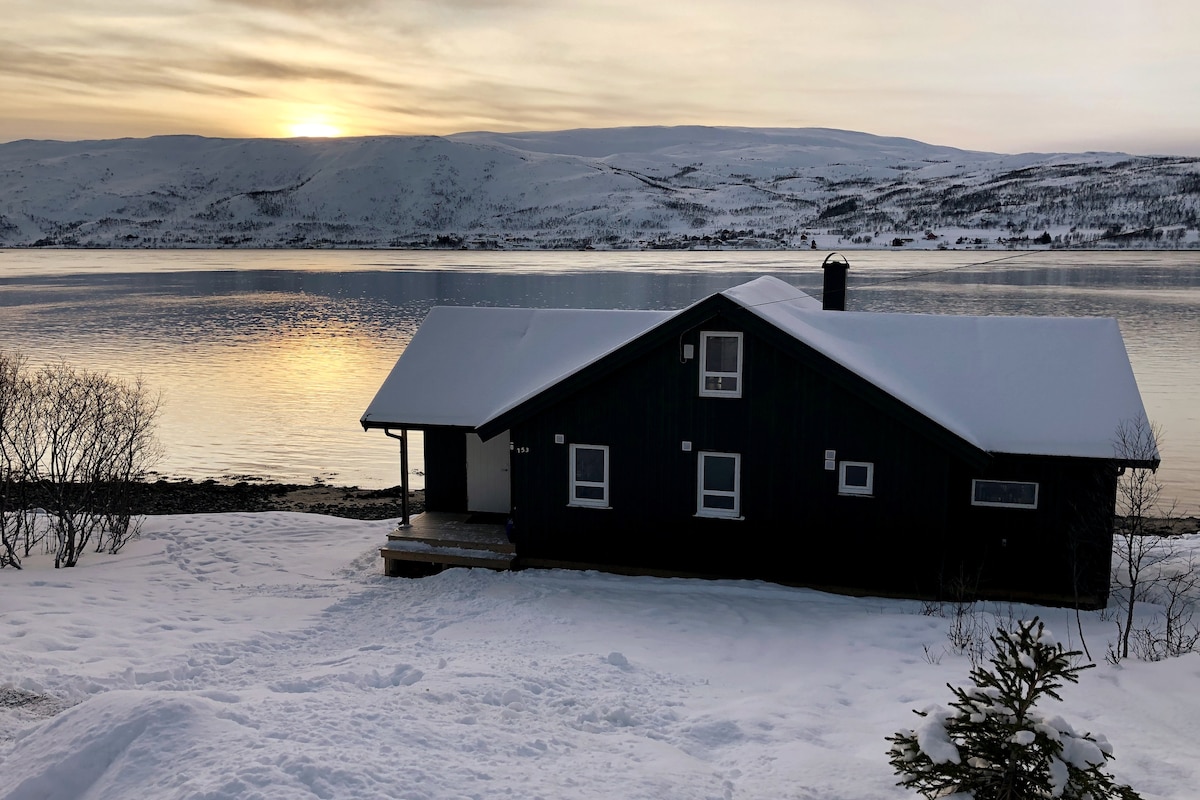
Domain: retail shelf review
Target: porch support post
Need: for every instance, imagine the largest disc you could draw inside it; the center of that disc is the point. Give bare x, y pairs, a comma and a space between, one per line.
403, 437
404, 523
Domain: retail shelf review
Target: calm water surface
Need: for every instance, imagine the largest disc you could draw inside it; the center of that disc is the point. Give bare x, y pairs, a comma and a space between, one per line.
266, 359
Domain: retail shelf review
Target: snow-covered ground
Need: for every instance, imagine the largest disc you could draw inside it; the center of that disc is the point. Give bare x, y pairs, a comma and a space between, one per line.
264, 656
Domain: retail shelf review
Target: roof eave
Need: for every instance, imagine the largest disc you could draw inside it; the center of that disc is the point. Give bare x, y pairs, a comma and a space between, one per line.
381, 425
1151, 464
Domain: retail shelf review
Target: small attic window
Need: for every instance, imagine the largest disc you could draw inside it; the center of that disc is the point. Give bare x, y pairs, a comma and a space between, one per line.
856, 477
1004, 494
720, 364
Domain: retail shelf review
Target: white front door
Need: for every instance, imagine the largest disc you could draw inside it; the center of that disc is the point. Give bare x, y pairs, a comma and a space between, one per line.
488, 487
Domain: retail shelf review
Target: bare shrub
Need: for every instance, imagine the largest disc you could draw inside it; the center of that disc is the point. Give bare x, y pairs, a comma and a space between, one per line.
1175, 588
967, 632
76, 443
14, 517
131, 449
1149, 567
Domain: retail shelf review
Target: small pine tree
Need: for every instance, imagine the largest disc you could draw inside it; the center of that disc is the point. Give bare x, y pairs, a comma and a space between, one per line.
993, 744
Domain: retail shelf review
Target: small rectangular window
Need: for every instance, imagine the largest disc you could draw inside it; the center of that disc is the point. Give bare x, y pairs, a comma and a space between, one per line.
720, 364
1004, 494
856, 477
589, 475
719, 485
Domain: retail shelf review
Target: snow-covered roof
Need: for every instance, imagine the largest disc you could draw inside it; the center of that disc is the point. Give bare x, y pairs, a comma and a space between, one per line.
771, 291
465, 365
1053, 386
1056, 386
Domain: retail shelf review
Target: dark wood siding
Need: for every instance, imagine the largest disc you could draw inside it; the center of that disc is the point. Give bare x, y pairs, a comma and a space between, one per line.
917, 534
445, 470
1061, 549
793, 518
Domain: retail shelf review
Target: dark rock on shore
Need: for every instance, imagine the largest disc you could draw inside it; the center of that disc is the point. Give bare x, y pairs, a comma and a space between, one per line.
210, 496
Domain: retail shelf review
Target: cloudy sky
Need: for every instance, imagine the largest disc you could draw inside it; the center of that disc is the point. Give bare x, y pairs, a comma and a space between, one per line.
1011, 76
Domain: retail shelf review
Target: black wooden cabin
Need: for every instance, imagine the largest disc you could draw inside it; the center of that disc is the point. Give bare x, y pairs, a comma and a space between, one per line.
719, 442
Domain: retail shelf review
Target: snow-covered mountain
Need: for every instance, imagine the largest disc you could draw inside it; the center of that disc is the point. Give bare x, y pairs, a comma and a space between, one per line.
604, 188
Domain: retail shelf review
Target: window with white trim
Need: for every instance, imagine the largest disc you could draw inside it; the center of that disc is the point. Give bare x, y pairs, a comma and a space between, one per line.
856, 477
589, 475
720, 364
1004, 494
719, 484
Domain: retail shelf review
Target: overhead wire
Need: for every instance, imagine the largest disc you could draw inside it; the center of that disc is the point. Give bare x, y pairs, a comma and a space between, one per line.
947, 269
818, 295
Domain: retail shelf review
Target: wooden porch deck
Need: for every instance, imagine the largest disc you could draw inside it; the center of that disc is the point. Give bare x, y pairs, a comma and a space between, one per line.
438, 539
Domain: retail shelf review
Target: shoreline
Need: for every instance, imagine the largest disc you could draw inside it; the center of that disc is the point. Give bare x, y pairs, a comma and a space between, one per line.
248, 493
212, 496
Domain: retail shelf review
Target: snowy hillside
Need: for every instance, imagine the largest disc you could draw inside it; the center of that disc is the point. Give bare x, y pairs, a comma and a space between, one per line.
242, 656
604, 188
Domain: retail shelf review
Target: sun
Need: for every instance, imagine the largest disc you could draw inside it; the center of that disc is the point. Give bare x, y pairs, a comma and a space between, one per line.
316, 129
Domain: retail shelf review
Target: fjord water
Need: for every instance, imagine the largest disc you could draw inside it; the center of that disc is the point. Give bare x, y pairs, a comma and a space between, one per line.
266, 359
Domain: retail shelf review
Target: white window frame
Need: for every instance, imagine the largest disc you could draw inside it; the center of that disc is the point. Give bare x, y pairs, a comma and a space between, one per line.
573, 498
701, 492
849, 488
1036, 494
705, 373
